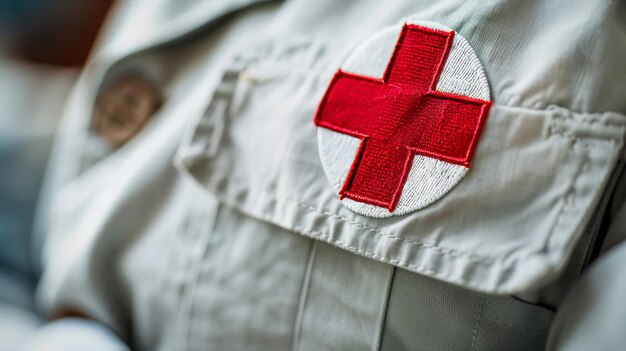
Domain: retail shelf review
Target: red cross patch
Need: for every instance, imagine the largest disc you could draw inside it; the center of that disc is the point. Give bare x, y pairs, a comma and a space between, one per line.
425, 110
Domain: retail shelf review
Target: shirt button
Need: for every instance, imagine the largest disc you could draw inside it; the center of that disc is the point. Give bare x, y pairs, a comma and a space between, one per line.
124, 108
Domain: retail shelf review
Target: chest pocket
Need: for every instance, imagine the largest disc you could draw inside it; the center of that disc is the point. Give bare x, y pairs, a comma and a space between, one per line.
508, 227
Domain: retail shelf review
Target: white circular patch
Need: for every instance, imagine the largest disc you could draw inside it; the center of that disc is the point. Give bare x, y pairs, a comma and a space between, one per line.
428, 178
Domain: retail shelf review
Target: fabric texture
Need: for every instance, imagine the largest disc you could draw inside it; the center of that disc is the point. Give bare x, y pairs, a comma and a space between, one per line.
483, 235
426, 314
202, 254
401, 115
593, 314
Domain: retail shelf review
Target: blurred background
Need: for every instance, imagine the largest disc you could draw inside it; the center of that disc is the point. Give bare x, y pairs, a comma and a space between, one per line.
43, 46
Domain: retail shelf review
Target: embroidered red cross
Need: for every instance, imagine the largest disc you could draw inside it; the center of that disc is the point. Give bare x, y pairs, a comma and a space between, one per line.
401, 115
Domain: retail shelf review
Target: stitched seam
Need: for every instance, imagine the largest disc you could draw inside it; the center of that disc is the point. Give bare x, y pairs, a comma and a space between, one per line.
449, 252
204, 242
562, 130
327, 238
478, 318
382, 320
510, 325
446, 252
593, 122
422, 269
567, 116
306, 281
569, 195
546, 107
389, 235
377, 231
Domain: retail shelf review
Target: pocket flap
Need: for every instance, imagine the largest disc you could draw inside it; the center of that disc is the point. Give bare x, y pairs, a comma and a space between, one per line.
507, 227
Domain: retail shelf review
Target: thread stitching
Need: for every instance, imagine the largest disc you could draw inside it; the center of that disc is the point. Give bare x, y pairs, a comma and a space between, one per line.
384, 158
447, 252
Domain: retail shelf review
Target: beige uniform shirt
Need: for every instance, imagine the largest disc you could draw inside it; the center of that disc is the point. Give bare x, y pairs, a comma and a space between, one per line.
211, 224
